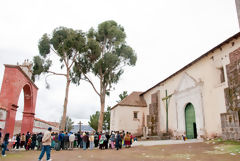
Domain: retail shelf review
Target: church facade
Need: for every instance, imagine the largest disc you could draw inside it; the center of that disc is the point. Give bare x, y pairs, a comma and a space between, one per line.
200, 100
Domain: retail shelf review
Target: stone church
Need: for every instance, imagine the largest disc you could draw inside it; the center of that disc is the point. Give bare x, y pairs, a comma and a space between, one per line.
200, 100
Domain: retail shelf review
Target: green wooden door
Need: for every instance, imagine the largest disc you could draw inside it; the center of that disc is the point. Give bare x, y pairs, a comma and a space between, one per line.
190, 120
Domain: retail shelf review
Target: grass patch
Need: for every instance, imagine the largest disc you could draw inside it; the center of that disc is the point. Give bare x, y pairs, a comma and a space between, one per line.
225, 148
225, 142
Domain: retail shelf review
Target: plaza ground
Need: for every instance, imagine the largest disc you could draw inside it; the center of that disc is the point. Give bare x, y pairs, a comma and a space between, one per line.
200, 151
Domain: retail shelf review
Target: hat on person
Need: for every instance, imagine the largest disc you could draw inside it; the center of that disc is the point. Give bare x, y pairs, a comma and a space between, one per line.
49, 129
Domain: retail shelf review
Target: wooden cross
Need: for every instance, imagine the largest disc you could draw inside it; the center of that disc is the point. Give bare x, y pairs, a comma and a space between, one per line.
80, 126
167, 99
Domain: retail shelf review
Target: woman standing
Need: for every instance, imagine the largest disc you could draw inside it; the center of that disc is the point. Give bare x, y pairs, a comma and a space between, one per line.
118, 140
91, 140
127, 139
23, 139
102, 141
112, 139
5, 144
84, 139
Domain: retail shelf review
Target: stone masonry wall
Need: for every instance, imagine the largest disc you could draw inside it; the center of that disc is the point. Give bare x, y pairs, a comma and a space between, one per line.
152, 118
231, 120
230, 126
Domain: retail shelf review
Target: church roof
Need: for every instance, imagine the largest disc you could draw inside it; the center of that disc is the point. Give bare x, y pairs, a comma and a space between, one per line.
196, 60
134, 99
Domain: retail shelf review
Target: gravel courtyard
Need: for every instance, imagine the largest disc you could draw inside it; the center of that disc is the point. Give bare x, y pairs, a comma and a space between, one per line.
200, 151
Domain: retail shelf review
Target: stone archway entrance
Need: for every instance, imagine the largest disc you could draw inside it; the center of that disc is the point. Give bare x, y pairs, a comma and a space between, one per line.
190, 121
15, 79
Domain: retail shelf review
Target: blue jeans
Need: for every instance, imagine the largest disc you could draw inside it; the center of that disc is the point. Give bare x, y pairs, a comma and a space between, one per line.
91, 144
84, 145
4, 147
47, 149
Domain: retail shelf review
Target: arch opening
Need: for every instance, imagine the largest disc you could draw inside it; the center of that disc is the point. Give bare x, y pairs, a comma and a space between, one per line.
190, 122
19, 114
15, 82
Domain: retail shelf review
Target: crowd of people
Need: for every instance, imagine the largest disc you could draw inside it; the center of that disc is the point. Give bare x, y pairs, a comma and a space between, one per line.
91, 140
68, 141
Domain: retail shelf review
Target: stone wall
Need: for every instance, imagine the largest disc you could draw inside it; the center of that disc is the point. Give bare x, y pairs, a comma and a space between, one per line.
152, 118
231, 120
230, 126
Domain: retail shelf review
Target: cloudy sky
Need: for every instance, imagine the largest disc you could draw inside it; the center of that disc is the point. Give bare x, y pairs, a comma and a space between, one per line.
165, 34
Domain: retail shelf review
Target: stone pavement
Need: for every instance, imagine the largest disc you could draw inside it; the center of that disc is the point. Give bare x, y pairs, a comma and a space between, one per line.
165, 142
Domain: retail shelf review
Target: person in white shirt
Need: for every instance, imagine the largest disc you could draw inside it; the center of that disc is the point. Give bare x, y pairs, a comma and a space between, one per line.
46, 145
71, 140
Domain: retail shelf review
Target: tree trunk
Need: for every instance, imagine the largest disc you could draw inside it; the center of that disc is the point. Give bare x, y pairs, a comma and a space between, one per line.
63, 123
100, 121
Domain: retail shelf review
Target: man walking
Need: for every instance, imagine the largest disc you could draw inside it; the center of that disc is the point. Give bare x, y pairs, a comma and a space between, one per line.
46, 142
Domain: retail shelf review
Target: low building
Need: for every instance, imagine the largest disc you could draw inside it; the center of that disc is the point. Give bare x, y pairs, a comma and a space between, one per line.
128, 115
39, 125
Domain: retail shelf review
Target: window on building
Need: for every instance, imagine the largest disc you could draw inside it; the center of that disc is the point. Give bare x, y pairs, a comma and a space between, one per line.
135, 114
222, 78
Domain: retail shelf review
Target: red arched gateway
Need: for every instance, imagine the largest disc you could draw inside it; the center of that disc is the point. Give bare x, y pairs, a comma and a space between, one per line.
14, 80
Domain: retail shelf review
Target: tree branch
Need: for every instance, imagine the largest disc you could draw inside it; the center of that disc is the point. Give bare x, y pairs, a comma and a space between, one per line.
88, 80
74, 57
56, 73
54, 51
66, 62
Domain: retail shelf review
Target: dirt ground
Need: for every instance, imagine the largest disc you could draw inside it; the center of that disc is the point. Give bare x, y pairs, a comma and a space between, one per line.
206, 151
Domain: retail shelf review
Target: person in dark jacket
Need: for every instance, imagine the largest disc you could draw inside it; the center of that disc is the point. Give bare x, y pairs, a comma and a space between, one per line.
107, 140
39, 140
57, 145
34, 140
96, 140
61, 140
118, 140
18, 140
66, 141
27, 139
79, 140
88, 143
5, 143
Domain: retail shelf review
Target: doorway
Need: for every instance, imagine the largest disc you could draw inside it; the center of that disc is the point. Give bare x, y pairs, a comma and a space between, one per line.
190, 122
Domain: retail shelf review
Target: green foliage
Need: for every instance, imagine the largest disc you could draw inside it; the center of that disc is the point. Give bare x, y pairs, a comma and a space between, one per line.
106, 122
40, 66
106, 119
94, 120
68, 124
107, 54
66, 43
44, 46
122, 96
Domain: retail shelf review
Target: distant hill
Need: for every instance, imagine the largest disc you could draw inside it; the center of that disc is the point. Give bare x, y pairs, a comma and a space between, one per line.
83, 128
